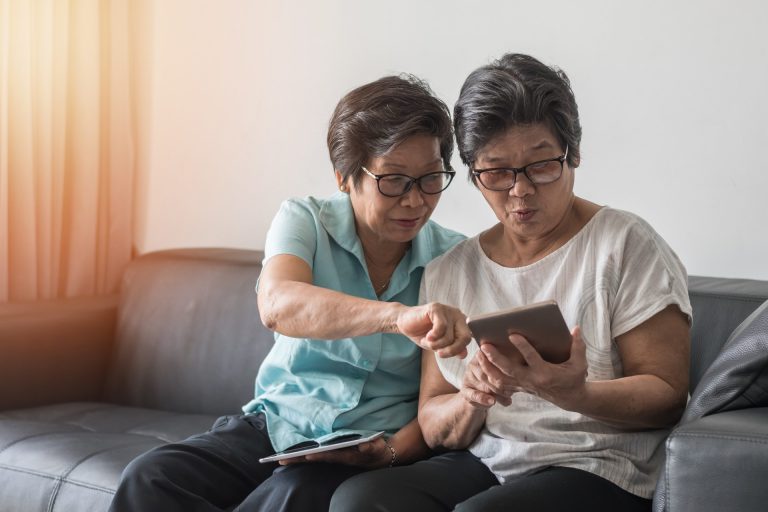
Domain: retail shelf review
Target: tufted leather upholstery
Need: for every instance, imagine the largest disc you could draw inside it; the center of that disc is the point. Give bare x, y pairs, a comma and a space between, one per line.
68, 457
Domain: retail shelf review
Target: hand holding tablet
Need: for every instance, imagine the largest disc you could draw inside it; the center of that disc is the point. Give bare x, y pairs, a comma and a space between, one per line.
542, 324
324, 444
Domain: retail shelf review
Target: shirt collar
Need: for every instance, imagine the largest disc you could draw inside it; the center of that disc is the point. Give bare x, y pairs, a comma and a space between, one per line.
338, 219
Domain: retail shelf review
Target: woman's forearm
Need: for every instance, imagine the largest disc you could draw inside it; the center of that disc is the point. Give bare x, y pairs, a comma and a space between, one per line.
450, 422
409, 444
303, 310
636, 402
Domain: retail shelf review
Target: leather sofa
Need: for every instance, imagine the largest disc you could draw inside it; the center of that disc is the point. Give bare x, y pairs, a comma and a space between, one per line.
86, 385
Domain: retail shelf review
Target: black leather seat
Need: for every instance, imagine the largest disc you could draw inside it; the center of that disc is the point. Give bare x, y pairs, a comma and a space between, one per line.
717, 458
88, 385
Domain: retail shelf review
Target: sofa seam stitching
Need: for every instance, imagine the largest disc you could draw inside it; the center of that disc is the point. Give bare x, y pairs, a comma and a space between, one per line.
738, 298
78, 483
32, 436
730, 437
66, 473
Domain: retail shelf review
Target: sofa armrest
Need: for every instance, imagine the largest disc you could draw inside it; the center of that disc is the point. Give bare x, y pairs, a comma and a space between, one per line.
718, 462
54, 351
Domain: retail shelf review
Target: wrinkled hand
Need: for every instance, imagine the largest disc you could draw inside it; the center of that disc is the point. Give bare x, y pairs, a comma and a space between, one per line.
372, 455
485, 385
437, 327
561, 384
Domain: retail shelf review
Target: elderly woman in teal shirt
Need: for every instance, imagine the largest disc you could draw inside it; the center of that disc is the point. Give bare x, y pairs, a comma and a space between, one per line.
339, 287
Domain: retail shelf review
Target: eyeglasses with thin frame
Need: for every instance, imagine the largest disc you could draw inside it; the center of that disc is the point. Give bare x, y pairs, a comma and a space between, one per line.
538, 173
396, 185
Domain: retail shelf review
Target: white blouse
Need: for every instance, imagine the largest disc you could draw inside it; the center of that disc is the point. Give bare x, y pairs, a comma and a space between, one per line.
613, 275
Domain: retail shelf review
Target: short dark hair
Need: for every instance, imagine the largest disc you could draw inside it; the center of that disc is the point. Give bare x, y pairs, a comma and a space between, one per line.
515, 90
372, 119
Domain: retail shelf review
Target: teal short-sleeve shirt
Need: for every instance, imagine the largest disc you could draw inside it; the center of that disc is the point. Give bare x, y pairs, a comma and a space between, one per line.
310, 388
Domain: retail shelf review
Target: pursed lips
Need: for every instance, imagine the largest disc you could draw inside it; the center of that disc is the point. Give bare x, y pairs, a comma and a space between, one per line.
523, 213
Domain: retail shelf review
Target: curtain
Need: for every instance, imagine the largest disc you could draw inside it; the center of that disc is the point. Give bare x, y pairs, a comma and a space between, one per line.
67, 146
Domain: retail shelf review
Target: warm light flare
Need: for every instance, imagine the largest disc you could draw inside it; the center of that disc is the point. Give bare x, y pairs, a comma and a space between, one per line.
67, 146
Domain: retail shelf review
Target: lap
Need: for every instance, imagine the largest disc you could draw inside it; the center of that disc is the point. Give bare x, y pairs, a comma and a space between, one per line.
556, 489
219, 469
435, 484
460, 481
298, 487
233, 444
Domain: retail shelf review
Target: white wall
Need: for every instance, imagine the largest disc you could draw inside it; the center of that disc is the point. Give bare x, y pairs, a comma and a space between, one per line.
672, 97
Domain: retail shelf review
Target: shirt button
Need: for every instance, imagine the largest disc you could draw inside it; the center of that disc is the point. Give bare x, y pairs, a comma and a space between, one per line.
366, 363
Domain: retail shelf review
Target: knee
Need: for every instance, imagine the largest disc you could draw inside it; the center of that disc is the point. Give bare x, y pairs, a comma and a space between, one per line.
467, 506
372, 491
354, 495
482, 502
144, 469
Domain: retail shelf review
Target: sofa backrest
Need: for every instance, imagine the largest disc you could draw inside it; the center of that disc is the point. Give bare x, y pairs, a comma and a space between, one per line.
189, 337
719, 306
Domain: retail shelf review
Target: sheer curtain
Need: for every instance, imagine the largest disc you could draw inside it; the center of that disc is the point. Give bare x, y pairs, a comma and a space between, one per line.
67, 146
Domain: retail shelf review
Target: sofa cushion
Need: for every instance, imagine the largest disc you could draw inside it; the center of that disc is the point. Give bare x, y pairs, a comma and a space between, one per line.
189, 337
70, 456
717, 463
719, 306
738, 378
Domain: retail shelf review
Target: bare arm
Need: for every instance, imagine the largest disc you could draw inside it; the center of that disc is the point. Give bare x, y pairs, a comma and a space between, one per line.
451, 418
290, 304
652, 393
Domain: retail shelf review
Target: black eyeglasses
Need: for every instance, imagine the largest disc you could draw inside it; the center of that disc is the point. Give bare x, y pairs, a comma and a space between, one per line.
538, 173
395, 185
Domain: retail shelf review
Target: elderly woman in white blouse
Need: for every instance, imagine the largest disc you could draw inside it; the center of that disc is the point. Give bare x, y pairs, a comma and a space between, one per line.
525, 434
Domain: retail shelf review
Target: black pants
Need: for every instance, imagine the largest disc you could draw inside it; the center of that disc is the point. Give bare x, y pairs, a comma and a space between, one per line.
459, 481
220, 470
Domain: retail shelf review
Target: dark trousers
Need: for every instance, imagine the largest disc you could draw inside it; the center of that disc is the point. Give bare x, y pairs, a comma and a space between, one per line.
459, 481
220, 471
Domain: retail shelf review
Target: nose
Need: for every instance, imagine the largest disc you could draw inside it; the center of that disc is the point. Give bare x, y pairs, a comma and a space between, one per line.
523, 186
413, 197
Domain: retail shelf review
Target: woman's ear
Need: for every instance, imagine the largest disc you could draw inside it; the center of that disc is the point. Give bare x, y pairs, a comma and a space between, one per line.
340, 181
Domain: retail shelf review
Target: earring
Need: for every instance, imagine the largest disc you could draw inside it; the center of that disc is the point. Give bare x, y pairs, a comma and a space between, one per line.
343, 188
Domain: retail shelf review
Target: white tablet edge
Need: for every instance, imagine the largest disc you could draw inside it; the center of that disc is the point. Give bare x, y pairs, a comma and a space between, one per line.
324, 448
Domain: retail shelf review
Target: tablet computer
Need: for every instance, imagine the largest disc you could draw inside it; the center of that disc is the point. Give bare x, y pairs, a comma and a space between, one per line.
542, 324
324, 444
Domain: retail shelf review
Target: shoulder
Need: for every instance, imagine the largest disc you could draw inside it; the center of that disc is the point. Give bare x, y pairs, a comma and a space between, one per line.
439, 238
297, 209
303, 205
445, 278
636, 242
612, 218
311, 211
457, 256
612, 225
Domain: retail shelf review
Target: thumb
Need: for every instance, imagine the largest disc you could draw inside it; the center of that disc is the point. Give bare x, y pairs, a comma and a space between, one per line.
365, 447
418, 320
578, 346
